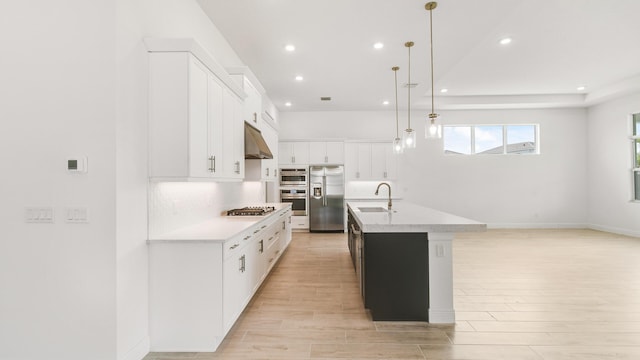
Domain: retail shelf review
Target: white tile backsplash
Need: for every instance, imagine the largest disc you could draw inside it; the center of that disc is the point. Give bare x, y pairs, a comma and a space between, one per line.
177, 204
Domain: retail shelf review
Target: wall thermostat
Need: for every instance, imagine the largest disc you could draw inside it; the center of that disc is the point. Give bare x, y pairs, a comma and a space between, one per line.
77, 165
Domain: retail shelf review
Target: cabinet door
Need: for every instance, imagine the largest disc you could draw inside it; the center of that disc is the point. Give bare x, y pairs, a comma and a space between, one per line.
364, 162
252, 104
335, 152
379, 161
351, 166
270, 166
233, 139
232, 289
318, 153
392, 163
200, 149
301, 153
285, 153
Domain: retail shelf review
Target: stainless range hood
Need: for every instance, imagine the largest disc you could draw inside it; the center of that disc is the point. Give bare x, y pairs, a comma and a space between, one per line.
254, 145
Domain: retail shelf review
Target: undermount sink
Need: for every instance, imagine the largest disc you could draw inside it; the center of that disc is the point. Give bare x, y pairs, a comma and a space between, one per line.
372, 209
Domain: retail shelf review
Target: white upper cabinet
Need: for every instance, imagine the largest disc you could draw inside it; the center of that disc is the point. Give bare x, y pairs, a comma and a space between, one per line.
321, 152
293, 153
370, 161
383, 161
192, 127
252, 108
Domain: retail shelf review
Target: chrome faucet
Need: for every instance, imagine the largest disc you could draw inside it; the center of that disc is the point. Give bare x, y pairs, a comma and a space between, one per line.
389, 203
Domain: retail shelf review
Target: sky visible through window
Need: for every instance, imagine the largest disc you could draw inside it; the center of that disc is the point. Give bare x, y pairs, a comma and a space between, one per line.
488, 138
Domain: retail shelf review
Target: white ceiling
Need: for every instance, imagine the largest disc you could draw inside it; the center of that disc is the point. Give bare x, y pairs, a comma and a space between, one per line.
557, 46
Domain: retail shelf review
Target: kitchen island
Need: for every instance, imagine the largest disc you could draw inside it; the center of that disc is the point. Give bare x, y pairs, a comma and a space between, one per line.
403, 259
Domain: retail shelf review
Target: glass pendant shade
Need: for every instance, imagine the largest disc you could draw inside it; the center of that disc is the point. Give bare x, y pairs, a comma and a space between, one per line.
433, 128
409, 138
398, 146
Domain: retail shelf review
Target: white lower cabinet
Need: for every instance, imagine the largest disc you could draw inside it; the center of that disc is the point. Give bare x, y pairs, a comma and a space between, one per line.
198, 289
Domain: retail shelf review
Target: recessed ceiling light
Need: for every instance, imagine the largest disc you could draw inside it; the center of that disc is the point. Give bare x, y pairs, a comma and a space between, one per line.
444, 90
581, 88
505, 41
299, 78
386, 102
378, 45
287, 104
290, 48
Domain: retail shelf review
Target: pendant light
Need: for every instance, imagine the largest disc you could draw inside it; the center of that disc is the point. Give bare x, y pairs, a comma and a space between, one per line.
433, 128
409, 135
398, 144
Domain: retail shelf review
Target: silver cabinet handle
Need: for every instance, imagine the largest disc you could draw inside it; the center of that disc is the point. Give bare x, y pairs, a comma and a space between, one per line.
237, 167
283, 226
293, 159
242, 263
255, 117
267, 171
271, 238
357, 174
247, 237
385, 174
256, 231
234, 246
326, 159
212, 164
261, 250
263, 226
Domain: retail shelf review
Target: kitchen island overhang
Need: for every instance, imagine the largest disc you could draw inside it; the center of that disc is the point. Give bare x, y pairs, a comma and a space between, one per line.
407, 219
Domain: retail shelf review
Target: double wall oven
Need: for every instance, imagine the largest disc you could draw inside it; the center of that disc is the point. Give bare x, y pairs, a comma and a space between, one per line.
293, 189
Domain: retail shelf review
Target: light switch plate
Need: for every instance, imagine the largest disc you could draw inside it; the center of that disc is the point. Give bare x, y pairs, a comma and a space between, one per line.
40, 215
76, 215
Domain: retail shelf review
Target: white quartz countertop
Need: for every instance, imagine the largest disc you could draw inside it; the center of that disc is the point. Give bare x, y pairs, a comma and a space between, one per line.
219, 229
408, 217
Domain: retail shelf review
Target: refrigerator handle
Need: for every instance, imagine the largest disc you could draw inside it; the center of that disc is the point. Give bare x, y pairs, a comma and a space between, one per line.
324, 190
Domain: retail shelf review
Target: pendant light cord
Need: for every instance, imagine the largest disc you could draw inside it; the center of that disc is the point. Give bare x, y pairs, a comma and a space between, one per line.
395, 74
431, 42
409, 88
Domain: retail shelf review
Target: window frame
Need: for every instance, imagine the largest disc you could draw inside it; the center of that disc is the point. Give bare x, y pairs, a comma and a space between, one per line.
635, 167
536, 135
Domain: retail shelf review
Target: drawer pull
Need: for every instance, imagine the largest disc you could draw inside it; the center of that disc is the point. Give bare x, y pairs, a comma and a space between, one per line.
234, 246
247, 237
263, 226
271, 238
256, 231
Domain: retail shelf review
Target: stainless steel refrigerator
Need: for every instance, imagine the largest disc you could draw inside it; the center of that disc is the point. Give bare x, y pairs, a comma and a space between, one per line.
326, 198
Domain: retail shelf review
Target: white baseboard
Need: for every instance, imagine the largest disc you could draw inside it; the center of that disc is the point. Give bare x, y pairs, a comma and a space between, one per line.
615, 230
537, 226
442, 316
139, 351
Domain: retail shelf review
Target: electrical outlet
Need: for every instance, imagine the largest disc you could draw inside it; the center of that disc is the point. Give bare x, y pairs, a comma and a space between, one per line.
439, 250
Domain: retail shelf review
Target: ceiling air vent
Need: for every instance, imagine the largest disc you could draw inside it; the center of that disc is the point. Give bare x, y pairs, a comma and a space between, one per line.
325, 98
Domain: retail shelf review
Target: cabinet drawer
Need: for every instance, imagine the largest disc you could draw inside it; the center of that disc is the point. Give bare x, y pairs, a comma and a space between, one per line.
299, 222
237, 243
274, 252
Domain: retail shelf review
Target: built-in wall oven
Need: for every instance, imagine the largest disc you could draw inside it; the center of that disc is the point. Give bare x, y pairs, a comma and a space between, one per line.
294, 177
297, 196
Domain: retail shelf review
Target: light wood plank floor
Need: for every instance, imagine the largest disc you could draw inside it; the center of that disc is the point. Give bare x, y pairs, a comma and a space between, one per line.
519, 294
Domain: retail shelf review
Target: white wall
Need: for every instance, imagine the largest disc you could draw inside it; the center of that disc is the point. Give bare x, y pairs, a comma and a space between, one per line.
74, 83
546, 190
57, 281
610, 161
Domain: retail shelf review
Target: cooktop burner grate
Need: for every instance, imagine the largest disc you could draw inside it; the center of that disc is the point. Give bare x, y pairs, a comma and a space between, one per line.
251, 211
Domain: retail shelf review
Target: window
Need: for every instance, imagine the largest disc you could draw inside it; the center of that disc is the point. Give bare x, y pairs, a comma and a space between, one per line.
635, 124
490, 139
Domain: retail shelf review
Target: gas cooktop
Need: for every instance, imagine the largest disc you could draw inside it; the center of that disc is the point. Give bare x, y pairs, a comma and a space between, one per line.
251, 211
